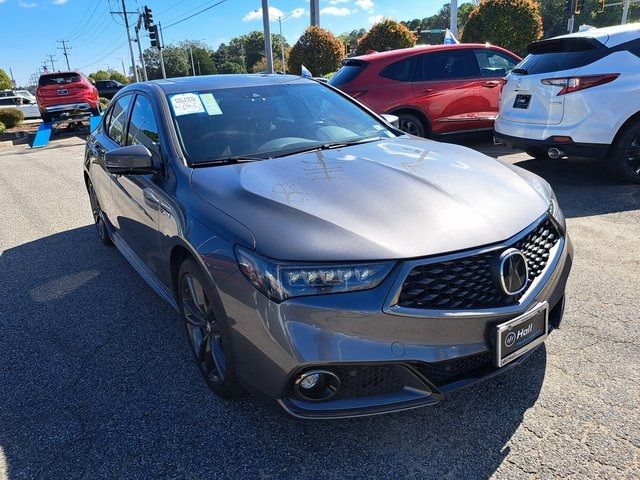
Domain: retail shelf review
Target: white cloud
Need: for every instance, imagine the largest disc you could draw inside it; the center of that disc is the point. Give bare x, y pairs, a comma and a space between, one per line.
27, 4
373, 19
257, 14
60, 2
365, 4
336, 2
297, 13
335, 11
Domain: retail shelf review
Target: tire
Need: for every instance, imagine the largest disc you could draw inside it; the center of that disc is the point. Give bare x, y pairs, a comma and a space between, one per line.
207, 335
411, 124
537, 153
98, 217
46, 117
624, 159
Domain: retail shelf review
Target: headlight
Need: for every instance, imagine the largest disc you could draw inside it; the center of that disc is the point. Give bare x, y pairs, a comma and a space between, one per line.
554, 207
280, 280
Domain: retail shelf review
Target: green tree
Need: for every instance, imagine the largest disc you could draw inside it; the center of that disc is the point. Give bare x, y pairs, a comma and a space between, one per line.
118, 77
5, 81
99, 75
261, 65
176, 62
317, 49
351, 38
440, 21
386, 35
231, 67
202, 57
511, 24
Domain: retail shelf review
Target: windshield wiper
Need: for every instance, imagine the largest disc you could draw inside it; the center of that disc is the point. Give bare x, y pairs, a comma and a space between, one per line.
520, 71
227, 161
328, 146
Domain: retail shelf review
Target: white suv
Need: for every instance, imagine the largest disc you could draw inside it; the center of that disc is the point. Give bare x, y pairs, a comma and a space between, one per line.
577, 95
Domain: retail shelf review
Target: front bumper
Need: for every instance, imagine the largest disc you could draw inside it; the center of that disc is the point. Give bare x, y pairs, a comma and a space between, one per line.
357, 336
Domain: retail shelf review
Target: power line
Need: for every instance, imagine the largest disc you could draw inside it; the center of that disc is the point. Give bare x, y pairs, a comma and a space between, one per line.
197, 13
96, 61
79, 24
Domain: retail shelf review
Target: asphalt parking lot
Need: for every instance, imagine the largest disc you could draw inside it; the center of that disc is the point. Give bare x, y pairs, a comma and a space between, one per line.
96, 379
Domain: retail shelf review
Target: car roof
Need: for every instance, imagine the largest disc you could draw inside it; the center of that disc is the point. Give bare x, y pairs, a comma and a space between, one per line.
402, 52
610, 36
204, 82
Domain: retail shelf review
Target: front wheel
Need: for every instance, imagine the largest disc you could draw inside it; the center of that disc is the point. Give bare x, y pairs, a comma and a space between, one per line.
208, 335
411, 124
624, 161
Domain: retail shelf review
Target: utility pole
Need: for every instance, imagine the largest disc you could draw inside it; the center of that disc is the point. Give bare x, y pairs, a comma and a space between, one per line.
199, 71
453, 20
284, 69
137, 29
13, 80
124, 72
64, 49
314, 9
193, 67
53, 66
125, 15
160, 47
268, 52
625, 12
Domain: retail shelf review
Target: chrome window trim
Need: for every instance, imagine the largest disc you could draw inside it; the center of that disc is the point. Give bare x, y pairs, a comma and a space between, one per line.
391, 307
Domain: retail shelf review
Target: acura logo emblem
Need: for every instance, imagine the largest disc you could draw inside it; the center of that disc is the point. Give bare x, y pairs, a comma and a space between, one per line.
513, 271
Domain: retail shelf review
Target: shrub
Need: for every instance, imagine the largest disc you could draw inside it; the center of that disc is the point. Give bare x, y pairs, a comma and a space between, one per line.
2, 128
386, 35
104, 103
231, 67
11, 117
318, 50
261, 65
511, 24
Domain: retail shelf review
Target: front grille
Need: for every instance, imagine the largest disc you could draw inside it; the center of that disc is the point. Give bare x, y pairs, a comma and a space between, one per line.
472, 282
441, 372
363, 381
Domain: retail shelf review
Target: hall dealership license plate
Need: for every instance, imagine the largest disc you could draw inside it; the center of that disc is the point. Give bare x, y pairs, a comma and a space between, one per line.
521, 334
522, 101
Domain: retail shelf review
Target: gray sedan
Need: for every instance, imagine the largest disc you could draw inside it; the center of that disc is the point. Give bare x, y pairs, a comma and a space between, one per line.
321, 258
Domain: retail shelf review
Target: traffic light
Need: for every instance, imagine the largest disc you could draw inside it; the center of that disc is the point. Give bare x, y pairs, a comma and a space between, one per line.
601, 6
147, 17
153, 35
579, 7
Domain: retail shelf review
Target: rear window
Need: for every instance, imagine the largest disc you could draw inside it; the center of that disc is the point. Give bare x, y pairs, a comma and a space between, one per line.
58, 79
562, 54
401, 71
349, 71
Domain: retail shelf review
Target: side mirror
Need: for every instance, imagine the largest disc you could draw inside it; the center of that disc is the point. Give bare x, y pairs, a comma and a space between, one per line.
130, 160
391, 119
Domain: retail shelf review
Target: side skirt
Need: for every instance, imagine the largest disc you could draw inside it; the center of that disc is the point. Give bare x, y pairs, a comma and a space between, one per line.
139, 266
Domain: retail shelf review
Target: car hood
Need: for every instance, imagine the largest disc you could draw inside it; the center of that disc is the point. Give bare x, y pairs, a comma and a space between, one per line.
397, 198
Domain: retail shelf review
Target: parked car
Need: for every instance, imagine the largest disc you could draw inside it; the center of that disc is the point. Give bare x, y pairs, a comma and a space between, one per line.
319, 256
433, 89
66, 94
578, 95
29, 109
26, 94
108, 88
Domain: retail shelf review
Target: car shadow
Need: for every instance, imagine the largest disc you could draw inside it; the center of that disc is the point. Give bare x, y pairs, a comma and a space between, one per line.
97, 381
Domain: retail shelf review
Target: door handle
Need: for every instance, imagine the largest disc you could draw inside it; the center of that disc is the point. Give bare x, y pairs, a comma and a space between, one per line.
491, 84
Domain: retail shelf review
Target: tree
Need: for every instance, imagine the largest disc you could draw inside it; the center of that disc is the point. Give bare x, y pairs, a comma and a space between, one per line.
99, 75
440, 21
118, 77
231, 67
386, 35
318, 50
176, 62
202, 57
261, 65
5, 81
351, 38
511, 24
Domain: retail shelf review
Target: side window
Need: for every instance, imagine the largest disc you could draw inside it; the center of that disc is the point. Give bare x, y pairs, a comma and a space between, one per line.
117, 120
142, 126
401, 71
493, 63
446, 65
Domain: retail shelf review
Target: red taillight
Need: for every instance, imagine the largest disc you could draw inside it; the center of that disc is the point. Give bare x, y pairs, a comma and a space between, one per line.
84, 86
573, 84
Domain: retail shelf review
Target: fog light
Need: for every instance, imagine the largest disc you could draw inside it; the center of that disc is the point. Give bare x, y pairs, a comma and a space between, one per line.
316, 385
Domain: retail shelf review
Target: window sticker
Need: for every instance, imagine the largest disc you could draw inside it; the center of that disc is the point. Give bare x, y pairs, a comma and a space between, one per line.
210, 104
186, 103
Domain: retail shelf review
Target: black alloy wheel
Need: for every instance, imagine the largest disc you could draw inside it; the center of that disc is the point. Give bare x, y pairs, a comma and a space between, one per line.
411, 125
624, 157
632, 157
207, 335
98, 217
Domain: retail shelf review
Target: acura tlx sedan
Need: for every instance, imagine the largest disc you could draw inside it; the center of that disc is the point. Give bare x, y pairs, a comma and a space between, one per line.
320, 257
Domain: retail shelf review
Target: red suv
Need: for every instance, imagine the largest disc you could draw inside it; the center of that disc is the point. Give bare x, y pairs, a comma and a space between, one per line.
433, 89
65, 94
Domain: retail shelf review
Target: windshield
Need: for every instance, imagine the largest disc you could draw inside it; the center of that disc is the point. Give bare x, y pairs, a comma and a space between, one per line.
268, 121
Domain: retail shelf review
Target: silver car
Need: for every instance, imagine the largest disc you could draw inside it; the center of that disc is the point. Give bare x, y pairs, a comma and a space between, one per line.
320, 257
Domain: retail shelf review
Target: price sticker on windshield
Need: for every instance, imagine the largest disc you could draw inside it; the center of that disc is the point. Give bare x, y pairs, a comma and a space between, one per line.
210, 104
186, 103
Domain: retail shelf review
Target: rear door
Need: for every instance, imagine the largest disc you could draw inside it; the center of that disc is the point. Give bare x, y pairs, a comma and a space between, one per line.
494, 66
445, 88
525, 98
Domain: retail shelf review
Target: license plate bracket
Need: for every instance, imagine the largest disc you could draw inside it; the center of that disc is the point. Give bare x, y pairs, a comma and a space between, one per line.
522, 101
521, 334
63, 91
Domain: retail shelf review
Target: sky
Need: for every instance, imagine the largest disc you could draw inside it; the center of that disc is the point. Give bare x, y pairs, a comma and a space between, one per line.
97, 38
